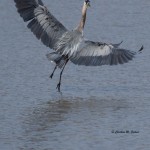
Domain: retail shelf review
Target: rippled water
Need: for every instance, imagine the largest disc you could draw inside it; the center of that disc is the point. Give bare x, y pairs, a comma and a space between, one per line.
97, 103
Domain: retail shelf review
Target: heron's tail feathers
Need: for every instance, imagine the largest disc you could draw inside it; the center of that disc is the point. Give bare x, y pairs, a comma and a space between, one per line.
56, 58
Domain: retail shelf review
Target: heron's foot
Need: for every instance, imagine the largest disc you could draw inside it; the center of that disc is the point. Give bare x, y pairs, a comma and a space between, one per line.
58, 86
51, 76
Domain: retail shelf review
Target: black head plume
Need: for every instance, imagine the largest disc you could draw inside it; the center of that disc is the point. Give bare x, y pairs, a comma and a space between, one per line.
87, 1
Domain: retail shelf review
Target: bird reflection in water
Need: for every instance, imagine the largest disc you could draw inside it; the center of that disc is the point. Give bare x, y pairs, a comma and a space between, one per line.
50, 122
47, 115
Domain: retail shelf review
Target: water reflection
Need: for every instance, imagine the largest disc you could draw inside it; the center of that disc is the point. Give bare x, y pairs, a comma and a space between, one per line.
46, 115
39, 122
48, 121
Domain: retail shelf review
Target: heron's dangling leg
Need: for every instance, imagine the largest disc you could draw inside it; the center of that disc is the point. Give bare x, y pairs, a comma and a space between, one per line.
51, 76
58, 85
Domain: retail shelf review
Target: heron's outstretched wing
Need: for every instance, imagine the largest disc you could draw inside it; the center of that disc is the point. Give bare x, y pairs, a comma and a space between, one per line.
97, 53
41, 22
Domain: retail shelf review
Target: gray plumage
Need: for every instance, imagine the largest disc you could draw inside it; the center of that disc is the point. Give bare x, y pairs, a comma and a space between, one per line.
97, 54
69, 45
41, 22
56, 58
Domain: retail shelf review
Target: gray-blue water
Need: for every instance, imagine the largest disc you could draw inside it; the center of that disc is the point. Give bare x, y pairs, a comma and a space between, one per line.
95, 101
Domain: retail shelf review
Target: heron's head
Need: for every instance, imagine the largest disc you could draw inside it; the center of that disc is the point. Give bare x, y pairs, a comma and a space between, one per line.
87, 2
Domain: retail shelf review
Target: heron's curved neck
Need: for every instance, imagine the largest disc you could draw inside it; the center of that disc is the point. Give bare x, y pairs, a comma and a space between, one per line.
83, 18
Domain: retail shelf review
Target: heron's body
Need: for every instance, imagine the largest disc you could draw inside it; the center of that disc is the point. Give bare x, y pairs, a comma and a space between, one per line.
69, 45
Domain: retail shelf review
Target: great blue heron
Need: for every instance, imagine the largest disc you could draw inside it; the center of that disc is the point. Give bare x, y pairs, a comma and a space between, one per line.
69, 45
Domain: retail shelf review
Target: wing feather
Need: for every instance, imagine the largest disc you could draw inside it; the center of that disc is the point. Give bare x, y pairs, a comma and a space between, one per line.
97, 54
41, 22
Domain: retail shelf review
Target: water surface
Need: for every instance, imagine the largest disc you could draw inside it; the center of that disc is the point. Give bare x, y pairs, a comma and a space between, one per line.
95, 101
